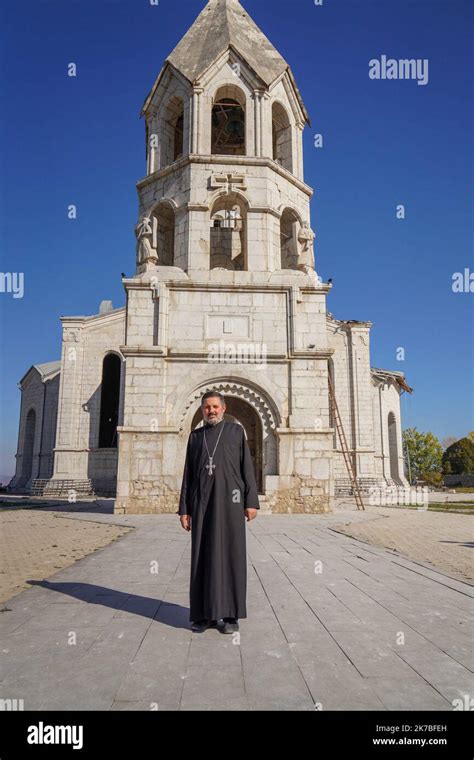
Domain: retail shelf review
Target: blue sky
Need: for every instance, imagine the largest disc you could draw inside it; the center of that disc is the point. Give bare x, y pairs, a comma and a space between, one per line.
80, 140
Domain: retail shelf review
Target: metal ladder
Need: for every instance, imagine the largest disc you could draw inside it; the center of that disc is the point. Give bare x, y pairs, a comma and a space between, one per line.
345, 449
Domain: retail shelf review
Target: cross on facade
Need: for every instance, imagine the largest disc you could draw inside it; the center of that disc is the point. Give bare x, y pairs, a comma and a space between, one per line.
228, 182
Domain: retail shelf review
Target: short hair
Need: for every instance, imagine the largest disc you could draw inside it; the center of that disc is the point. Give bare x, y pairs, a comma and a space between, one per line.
213, 394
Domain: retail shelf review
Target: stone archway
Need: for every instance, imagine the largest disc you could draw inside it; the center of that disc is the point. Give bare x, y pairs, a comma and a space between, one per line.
244, 414
263, 417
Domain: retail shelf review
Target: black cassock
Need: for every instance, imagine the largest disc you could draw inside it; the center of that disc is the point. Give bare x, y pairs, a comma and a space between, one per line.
216, 503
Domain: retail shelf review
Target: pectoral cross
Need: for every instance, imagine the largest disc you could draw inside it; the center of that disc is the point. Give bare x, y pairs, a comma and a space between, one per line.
210, 467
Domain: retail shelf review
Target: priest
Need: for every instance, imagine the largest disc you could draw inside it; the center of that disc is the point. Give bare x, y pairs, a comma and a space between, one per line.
219, 493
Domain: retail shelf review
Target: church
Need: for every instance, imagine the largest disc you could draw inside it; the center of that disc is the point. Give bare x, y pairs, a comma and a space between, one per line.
225, 297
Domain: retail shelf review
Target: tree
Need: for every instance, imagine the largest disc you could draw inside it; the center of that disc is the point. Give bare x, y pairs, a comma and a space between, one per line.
458, 459
425, 454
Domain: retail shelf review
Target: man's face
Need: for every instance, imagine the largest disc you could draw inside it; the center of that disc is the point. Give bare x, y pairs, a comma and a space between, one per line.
213, 410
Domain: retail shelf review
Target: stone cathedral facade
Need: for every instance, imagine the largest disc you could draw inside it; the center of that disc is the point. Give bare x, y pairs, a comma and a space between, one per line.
225, 296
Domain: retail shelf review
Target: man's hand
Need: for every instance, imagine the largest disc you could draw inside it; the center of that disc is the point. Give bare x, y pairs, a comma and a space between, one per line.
251, 514
186, 522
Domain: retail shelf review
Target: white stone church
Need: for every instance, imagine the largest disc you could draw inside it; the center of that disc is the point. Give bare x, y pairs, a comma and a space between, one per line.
225, 296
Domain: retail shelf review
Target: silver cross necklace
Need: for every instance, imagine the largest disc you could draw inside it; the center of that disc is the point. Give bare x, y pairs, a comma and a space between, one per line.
210, 467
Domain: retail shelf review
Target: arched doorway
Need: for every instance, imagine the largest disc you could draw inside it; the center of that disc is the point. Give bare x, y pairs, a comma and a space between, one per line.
109, 401
244, 414
28, 445
393, 447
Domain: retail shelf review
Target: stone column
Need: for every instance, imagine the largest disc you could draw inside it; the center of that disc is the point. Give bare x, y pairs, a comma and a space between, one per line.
196, 120
258, 142
298, 151
71, 449
361, 391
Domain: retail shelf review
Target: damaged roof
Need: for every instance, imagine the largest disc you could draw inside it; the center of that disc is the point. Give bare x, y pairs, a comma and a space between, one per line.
385, 374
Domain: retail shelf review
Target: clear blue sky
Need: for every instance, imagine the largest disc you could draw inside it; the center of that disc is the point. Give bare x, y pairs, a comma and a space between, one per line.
386, 143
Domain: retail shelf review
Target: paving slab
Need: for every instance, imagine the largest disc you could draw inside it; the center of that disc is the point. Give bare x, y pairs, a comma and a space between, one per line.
334, 623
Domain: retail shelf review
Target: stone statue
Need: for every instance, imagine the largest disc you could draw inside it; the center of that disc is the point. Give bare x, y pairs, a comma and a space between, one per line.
305, 248
144, 234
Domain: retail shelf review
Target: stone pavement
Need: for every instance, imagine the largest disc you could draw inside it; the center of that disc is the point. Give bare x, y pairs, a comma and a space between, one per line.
334, 624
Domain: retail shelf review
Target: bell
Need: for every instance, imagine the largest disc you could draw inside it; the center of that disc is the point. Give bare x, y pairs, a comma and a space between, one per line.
235, 127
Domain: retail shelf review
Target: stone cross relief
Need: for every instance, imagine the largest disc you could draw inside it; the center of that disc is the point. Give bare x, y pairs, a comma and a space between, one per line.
228, 182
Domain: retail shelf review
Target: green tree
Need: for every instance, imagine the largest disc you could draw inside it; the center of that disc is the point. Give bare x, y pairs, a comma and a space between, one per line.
458, 459
424, 453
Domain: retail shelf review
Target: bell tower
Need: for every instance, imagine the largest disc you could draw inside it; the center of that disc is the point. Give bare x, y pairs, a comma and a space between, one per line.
224, 124
225, 268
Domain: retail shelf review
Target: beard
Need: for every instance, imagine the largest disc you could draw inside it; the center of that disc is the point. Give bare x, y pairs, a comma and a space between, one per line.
215, 420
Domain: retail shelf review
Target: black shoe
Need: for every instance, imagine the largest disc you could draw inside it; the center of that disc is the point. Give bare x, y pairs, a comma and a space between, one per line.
202, 625
230, 625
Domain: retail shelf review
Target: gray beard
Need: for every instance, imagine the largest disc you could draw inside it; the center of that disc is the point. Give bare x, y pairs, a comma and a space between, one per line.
215, 421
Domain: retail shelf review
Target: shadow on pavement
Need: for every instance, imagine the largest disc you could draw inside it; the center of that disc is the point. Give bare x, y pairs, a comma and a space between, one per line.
173, 615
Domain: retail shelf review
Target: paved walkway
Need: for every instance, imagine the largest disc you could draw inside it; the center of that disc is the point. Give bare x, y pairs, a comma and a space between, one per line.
334, 624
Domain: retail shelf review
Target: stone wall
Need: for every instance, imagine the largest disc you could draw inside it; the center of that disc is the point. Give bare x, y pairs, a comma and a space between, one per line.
86, 342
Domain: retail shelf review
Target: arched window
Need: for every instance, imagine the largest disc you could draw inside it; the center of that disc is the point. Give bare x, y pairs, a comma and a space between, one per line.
229, 233
109, 402
282, 137
163, 225
289, 225
228, 122
172, 132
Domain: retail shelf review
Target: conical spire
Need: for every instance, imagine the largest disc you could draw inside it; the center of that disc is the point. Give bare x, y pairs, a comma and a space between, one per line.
221, 24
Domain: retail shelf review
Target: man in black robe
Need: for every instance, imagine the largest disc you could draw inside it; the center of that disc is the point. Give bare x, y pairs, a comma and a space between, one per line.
218, 493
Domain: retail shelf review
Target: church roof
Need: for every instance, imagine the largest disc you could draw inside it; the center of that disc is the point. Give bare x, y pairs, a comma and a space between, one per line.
386, 374
220, 25
46, 370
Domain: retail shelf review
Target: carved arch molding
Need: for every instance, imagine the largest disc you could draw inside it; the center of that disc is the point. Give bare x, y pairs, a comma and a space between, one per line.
239, 391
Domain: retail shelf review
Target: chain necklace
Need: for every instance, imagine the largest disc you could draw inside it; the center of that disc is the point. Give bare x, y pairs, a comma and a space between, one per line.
210, 467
